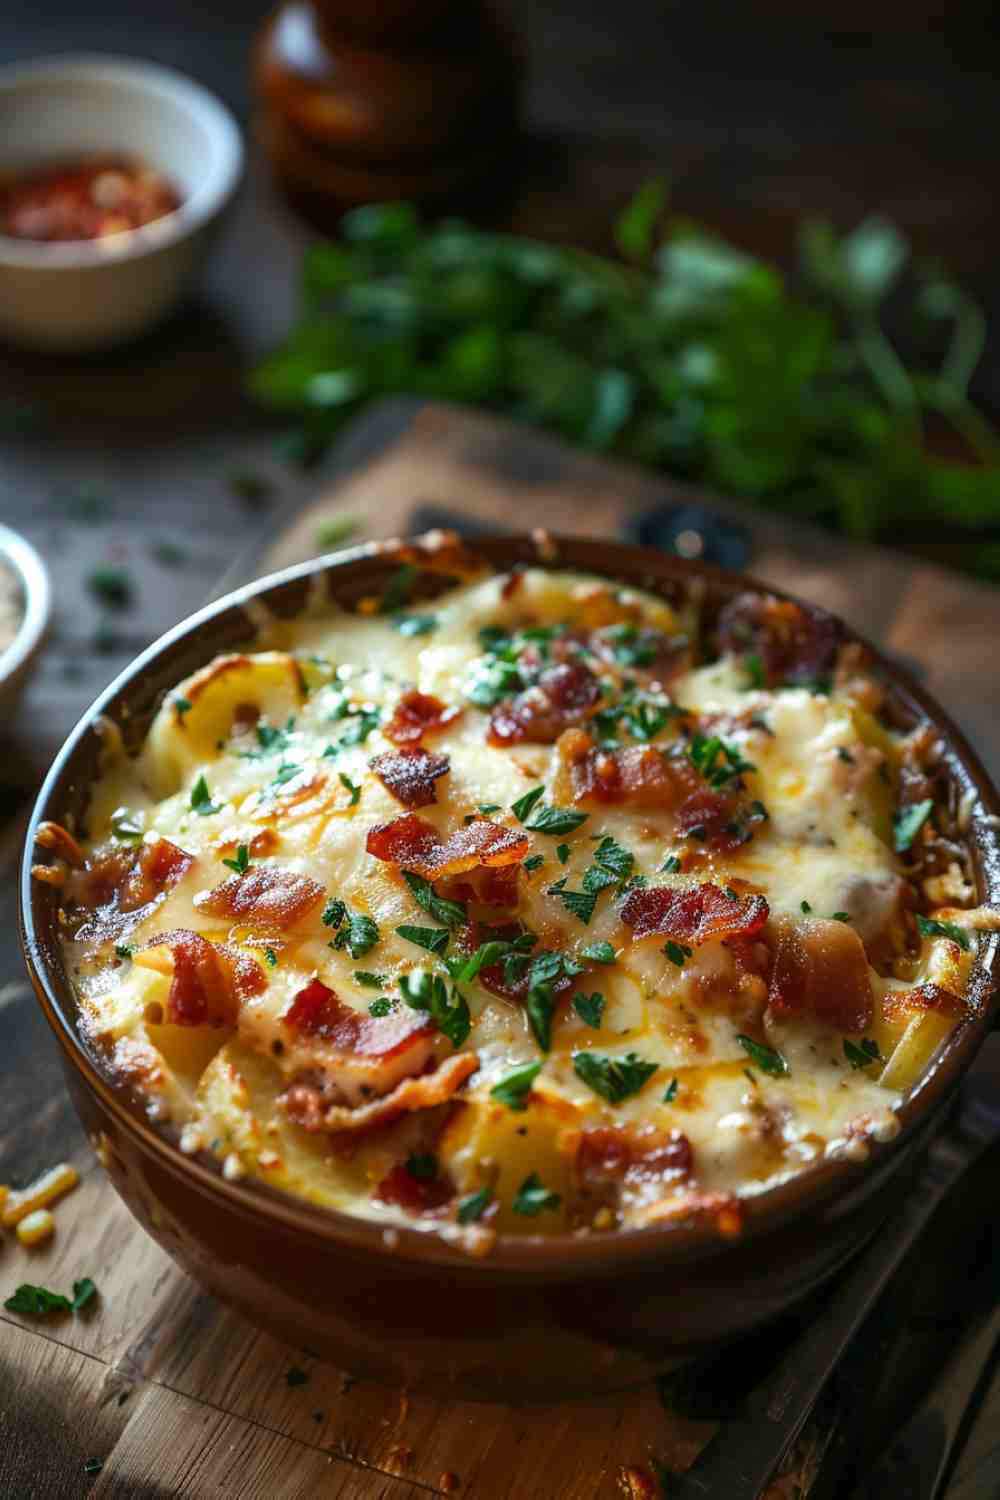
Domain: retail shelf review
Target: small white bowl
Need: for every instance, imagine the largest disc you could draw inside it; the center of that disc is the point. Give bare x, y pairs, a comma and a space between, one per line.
86, 294
20, 559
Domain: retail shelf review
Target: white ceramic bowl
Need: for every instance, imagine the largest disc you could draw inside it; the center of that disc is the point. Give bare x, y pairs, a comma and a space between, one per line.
16, 660
90, 293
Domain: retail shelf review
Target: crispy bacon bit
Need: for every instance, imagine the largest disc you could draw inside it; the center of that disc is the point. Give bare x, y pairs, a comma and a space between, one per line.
57, 838
564, 695
820, 968
712, 818
439, 551
512, 583
792, 642
417, 1195
638, 774
265, 898
417, 714
617, 1156
307, 1106
927, 996
317, 1011
414, 844
210, 980
693, 915
119, 888
724, 1209
409, 775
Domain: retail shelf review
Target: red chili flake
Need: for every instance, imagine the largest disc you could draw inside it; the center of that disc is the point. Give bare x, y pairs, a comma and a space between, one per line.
692, 915
85, 200
265, 897
409, 775
414, 844
417, 714
820, 968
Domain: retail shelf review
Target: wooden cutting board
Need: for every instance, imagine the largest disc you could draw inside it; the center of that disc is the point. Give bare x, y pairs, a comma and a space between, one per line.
178, 1397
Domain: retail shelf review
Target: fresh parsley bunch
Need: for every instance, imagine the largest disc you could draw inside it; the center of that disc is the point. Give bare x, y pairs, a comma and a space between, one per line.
694, 357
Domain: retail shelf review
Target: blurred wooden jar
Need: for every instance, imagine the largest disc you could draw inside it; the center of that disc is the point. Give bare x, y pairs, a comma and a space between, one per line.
363, 101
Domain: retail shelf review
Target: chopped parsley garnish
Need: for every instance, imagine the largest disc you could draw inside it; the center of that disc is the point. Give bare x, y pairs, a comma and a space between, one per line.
448, 913
369, 980
39, 1302
908, 822
671, 865
488, 807
562, 853
352, 787
612, 858
864, 1055
111, 586
534, 861
580, 904
648, 717
296, 1377
285, 773
704, 752
515, 1088
241, 863
334, 912
613, 1078
270, 740
532, 1198
766, 1058
415, 624
599, 953
805, 908
540, 1005
93, 1465
590, 1008
381, 1007
496, 950
126, 828
670, 1094
428, 992
677, 953
522, 807
201, 799
754, 668
474, 1206
182, 705
632, 647
358, 934
361, 723
553, 820
397, 590
841, 916
84, 1291
122, 950
931, 927
490, 681
423, 1165
433, 939
270, 958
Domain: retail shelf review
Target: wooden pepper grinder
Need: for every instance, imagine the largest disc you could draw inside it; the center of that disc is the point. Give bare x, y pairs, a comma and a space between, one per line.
365, 101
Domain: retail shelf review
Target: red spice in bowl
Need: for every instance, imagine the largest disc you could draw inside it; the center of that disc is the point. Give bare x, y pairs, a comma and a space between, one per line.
84, 200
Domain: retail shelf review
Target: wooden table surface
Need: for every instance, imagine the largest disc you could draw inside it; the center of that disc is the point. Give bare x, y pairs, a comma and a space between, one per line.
179, 1397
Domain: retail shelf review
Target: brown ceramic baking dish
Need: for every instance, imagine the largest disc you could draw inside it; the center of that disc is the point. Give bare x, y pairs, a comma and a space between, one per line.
539, 1316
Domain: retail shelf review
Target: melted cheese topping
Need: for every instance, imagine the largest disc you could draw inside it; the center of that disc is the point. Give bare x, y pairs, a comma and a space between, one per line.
266, 757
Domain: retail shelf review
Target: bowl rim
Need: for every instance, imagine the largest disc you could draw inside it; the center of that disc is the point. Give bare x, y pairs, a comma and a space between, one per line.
564, 1256
221, 171
18, 553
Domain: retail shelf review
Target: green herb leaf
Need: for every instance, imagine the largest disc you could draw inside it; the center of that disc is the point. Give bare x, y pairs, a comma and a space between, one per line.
434, 939
554, 820
562, 853
270, 958
718, 762
37, 1301
671, 865
670, 1093
540, 1005
534, 861
590, 1008
599, 953
428, 992
677, 952
515, 1088
84, 1291
352, 787
201, 799
522, 807
126, 829
766, 1058
532, 1198
369, 980
359, 935
580, 904
864, 1055
908, 822
122, 950
415, 624
398, 589
636, 227
422, 1165
448, 913
613, 1078
472, 1207
381, 1007
334, 912
242, 861
182, 706
932, 927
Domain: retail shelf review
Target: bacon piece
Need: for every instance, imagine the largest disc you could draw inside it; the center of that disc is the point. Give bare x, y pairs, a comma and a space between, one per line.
820, 968
266, 898
409, 775
614, 1154
923, 997
564, 695
712, 818
210, 980
724, 1210
414, 844
306, 1105
417, 714
439, 551
417, 1195
656, 656
637, 774
793, 643
121, 887
692, 915
317, 1011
